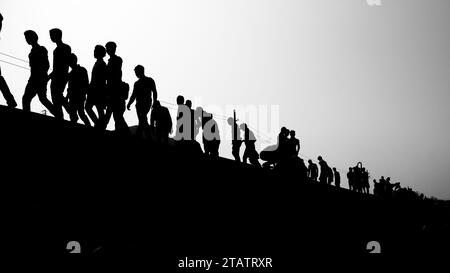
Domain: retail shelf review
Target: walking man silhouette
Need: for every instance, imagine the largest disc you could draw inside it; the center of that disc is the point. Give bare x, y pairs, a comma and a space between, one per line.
77, 90
324, 171
39, 65
144, 89
313, 171
60, 73
10, 101
97, 89
117, 91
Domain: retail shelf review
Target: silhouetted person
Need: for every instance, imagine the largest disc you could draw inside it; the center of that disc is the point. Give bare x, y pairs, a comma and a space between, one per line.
192, 121
236, 141
10, 101
324, 171
60, 73
330, 178
337, 178
376, 188
283, 145
211, 135
144, 89
365, 181
39, 65
182, 130
313, 171
117, 90
77, 90
293, 144
161, 122
250, 152
97, 88
350, 178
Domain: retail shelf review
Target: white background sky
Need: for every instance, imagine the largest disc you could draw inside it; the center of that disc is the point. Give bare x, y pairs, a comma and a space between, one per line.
357, 83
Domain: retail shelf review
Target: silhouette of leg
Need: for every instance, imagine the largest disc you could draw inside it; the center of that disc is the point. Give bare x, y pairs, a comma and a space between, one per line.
42, 94
57, 89
10, 101
142, 113
28, 95
90, 110
72, 109
82, 114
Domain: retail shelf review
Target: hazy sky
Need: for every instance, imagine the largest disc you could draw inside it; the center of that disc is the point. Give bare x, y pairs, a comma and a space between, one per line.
357, 83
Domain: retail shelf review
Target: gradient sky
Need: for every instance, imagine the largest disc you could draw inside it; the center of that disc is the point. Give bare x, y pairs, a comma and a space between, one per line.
357, 83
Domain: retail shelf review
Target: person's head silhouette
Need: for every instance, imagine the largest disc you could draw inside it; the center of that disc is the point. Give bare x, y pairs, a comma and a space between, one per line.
99, 52
56, 35
243, 126
156, 104
111, 48
189, 104
139, 71
180, 100
292, 134
73, 61
31, 37
334, 169
230, 121
319, 158
310, 161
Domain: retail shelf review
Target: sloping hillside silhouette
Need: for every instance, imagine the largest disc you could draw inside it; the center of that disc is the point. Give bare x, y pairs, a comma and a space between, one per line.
125, 196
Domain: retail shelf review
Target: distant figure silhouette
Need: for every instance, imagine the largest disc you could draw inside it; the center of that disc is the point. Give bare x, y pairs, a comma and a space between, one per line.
161, 122
324, 171
350, 178
117, 91
39, 65
192, 123
97, 88
337, 178
143, 90
211, 135
10, 101
293, 144
330, 178
60, 73
236, 141
250, 152
365, 181
313, 171
182, 131
77, 90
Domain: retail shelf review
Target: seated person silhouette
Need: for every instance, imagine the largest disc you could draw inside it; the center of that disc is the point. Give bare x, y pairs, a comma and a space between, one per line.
161, 122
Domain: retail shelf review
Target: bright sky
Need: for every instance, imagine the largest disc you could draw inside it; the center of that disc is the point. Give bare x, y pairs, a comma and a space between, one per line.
357, 83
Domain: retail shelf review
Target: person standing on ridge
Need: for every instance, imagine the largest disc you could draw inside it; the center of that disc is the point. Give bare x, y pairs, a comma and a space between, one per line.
143, 91
236, 141
39, 65
97, 88
77, 90
117, 91
60, 74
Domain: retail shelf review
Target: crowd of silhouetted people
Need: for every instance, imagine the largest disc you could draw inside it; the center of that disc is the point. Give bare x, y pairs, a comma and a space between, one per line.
94, 101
